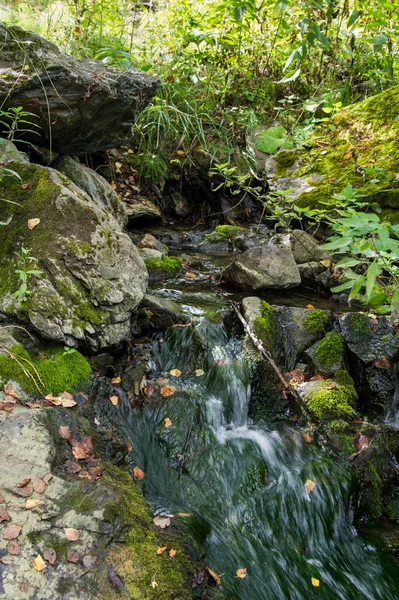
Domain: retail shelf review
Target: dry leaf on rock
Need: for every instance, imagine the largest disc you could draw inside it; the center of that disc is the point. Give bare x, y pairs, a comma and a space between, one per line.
167, 422
149, 390
161, 550
175, 372
241, 573
23, 587
71, 534
114, 400
33, 503
7, 560
65, 432
23, 483
13, 548
4, 516
138, 473
168, 390
199, 372
116, 380
39, 485
32, 223
307, 438
39, 563
9, 391
214, 575
50, 555
7, 406
310, 306
315, 582
309, 485
47, 477
72, 467
73, 556
12, 531
161, 522
172, 553
189, 275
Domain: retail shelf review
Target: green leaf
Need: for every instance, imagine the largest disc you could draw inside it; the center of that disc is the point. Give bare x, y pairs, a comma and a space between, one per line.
355, 14
342, 286
337, 244
270, 140
372, 272
379, 41
291, 78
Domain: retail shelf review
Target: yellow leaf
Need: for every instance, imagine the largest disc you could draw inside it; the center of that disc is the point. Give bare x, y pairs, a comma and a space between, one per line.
161, 522
138, 473
168, 422
32, 223
172, 553
189, 275
241, 573
33, 503
214, 576
309, 485
326, 262
161, 550
114, 400
199, 372
307, 438
315, 582
38, 563
116, 380
309, 306
175, 372
168, 390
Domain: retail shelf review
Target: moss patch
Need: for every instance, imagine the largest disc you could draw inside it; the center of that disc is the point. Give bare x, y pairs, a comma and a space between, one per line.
265, 326
316, 321
168, 264
330, 351
332, 401
58, 371
224, 233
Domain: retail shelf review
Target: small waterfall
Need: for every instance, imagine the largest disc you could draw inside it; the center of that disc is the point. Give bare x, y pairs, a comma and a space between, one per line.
393, 414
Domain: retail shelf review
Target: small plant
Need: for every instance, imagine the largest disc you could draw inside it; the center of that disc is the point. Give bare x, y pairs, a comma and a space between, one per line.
25, 263
68, 351
16, 123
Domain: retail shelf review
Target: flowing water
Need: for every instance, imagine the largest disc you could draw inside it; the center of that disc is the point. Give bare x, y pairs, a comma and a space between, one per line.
243, 484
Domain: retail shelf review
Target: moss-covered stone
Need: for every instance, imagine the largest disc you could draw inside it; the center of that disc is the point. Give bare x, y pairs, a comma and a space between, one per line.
224, 233
58, 372
328, 400
168, 264
265, 326
316, 321
329, 352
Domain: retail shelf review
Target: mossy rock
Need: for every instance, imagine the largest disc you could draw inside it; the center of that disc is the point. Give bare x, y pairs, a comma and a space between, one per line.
330, 399
224, 233
161, 269
328, 354
365, 134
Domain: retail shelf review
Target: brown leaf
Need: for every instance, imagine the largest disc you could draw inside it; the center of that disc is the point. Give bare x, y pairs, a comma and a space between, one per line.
47, 477
82, 449
32, 223
39, 485
161, 550
241, 573
65, 432
8, 390
214, 576
175, 372
23, 587
116, 380
7, 560
25, 491
25, 186
353, 456
309, 486
149, 390
71, 534
38, 563
50, 555
34, 404
168, 390
114, 400
189, 275
381, 362
23, 483
138, 473
360, 441
73, 556
172, 553
307, 438
33, 503
167, 422
161, 522
13, 548
310, 306
7, 406
72, 467
4, 516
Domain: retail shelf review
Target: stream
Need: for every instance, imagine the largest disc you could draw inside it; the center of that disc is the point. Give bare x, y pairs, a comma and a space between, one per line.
239, 486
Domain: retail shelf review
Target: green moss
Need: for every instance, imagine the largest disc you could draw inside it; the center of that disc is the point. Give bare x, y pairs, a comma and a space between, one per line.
169, 264
316, 321
374, 495
79, 502
357, 325
340, 426
329, 400
58, 371
265, 326
223, 233
284, 160
330, 351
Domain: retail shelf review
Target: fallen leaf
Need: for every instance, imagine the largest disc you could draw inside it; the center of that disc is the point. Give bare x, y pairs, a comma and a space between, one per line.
33, 503
309, 485
65, 432
200, 372
297, 377
189, 275
25, 186
149, 390
241, 573
4, 516
12, 531
138, 473
38, 563
168, 390
360, 441
153, 584
13, 548
32, 223
66, 400
23, 587
168, 422
71, 534
23, 483
161, 550
115, 579
353, 456
8, 390
82, 449
162, 381
73, 556
307, 438
114, 400
34, 404
214, 576
72, 467
7, 560
382, 362
175, 372
172, 553
127, 445
50, 555
116, 380
7, 406
161, 522
47, 477
309, 306
315, 582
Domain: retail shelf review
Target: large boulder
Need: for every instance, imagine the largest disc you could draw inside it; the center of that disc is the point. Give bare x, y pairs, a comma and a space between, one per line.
264, 268
92, 277
361, 136
82, 106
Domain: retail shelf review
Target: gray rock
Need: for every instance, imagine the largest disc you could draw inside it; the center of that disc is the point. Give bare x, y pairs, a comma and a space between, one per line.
91, 107
264, 268
305, 247
165, 313
94, 185
150, 253
149, 241
180, 204
143, 212
316, 275
92, 275
251, 309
